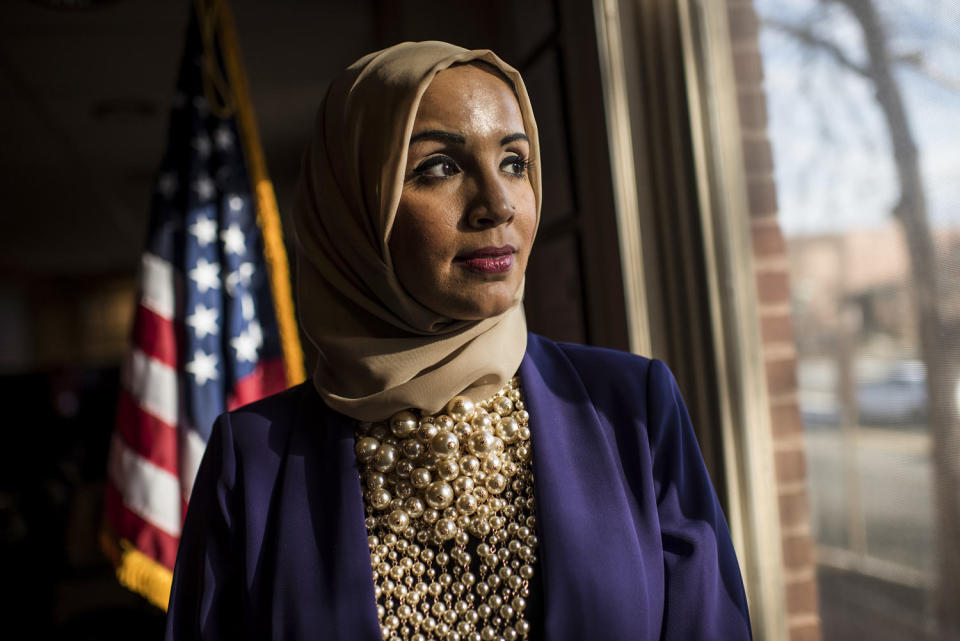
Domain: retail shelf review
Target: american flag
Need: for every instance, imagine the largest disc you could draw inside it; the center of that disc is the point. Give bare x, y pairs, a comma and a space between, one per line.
205, 336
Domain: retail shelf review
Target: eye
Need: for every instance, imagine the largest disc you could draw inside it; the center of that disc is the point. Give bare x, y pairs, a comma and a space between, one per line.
515, 165
437, 167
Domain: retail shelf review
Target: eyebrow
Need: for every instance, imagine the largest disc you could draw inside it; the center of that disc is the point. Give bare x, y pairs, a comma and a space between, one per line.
439, 135
509, 139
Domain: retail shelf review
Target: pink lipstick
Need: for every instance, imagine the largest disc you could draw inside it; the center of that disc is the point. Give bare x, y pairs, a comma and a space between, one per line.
489, 260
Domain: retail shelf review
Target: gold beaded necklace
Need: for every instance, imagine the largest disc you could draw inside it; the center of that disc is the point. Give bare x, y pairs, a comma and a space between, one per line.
437, 491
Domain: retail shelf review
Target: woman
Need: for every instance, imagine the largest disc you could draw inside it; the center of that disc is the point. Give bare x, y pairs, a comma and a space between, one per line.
445, 474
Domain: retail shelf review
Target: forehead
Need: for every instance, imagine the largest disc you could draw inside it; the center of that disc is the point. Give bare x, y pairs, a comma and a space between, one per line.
469, 100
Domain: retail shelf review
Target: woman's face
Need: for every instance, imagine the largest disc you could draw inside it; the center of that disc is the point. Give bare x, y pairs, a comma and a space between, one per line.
467, 212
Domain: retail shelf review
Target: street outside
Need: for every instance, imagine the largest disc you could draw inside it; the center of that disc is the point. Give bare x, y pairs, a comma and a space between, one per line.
872, 511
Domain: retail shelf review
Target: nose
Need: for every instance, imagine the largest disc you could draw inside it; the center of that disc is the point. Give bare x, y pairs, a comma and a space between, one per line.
491, 205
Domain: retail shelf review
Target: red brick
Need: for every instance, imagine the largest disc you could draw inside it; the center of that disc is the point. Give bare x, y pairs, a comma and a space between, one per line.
743, 23
786, 421
752, 103
768, 240
777, 329
748, 67
782, 376
802, 597
798, 552
762, 196
794, 511
805, 632
791, 465
758, 156
773, 287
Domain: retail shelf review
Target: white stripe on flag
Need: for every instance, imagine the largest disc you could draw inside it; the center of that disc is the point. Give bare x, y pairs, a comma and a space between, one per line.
191, 451
149, 491
156, 281
154, 386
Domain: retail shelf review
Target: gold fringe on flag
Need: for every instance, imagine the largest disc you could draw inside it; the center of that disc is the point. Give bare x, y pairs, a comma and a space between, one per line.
136, 571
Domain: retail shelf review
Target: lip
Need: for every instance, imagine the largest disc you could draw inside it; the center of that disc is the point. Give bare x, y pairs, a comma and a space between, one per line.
488, 252
488, 260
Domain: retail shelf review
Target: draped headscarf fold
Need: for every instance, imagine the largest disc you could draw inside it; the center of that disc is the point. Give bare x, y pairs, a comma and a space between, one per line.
380, 350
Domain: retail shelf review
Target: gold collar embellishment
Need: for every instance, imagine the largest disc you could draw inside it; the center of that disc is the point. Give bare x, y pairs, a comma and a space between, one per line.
450, 519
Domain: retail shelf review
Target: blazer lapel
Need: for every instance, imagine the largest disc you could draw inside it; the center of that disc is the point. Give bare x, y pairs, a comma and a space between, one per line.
591, 561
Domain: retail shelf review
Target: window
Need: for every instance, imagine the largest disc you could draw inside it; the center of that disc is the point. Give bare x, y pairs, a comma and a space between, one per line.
864, 106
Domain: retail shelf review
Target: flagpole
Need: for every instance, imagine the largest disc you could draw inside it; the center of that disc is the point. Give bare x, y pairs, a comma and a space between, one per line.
268, 216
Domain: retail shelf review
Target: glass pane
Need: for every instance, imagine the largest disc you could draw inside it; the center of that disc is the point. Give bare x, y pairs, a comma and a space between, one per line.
864, 110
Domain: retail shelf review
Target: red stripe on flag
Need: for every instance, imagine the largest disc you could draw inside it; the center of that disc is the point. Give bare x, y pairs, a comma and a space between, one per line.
152, 541
155, 336
147, 435
268, 377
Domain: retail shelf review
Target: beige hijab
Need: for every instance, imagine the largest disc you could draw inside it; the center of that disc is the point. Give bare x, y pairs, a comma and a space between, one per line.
380, 350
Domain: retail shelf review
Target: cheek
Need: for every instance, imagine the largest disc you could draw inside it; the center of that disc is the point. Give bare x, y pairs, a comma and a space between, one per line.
527, 215
420, 239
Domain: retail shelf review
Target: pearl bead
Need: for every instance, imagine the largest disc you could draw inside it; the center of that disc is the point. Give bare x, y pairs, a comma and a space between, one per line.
420, 478
385, 457
411, 448
427, 431
404, 468
496, 483
375, 480
366, 448
462, 484
448, 469
482, 422
403, 424
439, 495
469, 465
460, 408
380, 498
445, 444
463, 430
508, 429
445, 529
467, 503
492, 464
502, 405
481, 443
398, 520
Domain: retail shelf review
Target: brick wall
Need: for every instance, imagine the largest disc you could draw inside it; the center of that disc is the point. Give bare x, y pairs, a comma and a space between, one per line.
773, 289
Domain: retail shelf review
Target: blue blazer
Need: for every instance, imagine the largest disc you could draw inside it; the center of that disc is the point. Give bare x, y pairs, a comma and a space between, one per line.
633, 543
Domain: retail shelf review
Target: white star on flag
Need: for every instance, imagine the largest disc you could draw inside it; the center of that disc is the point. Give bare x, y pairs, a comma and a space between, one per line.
233, 239
200, 104
246, 346
247, 308
202, 144
206, 275
255, 333
223, 138
205, 230
242, 276
236, 203
167, 185
204, 187
203, 367
203, 320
